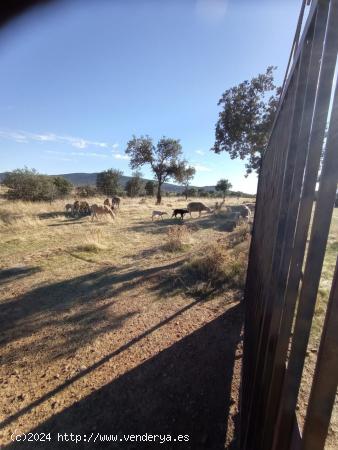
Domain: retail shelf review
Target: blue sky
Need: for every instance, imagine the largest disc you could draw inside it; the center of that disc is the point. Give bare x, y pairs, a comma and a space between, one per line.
79, 78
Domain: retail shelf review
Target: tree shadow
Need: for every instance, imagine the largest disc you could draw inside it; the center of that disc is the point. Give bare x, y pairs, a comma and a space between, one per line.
215, 222
14, 273
72, 221
81, 305
155, 227
52, 215
185, 389
65, 214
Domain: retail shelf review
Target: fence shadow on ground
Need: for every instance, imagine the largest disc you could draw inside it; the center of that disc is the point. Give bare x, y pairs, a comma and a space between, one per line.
88, 297
15, 273
185, 389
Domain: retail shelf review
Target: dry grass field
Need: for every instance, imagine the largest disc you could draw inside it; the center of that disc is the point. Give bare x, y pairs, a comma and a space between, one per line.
127, 325
322, 298
120, 326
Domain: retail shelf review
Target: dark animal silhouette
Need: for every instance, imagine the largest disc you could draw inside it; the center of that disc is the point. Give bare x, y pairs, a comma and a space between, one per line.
181, 212
197, 207
115, 201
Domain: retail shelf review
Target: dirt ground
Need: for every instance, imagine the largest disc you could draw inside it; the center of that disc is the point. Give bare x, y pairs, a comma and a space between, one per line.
100, 334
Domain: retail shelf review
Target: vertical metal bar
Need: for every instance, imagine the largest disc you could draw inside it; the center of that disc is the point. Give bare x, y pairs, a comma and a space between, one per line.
254, 281
272, 391
316, 252
272, 176
305, 209
263, 367
271, 294
270, 326
325, 379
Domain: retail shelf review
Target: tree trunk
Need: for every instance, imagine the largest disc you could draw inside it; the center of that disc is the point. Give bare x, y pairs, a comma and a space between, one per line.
186, 194
159, 195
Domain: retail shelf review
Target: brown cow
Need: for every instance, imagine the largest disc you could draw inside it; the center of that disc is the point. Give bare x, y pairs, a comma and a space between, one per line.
97, 211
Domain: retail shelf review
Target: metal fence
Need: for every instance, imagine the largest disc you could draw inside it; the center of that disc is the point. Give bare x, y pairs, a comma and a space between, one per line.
292, 220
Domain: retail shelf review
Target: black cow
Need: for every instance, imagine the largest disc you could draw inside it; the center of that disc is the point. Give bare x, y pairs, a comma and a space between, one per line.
180, 211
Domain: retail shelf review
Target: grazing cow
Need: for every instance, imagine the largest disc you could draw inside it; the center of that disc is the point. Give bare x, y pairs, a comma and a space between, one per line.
76, 208
243, 210
234, 217
197, 207
116, 202
158, 214
179, 211
100, 211
84, 208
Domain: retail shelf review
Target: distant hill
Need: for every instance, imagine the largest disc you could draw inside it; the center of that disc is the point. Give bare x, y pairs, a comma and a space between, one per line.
80, 179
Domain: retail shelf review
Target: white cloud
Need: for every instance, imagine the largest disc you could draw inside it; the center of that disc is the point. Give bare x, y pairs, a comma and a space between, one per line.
76, 142
85, 154
91, 154
120, 156
14, 136
56, 157
211, 10
200, 152
45, 137
202, 168
54, 152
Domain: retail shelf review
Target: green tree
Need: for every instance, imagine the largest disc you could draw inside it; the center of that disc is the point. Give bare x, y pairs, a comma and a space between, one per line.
246, 118
86, 191
204, 194
223, 186
162, 158
184, 176
192, 192
63, 186
135, 185
150, 188
28, 184
107, 182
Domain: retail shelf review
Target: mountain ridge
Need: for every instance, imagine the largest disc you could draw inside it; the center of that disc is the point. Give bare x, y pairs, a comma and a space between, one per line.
89, 178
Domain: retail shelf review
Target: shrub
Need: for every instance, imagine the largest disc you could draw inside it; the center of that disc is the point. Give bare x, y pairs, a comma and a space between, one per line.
135, 185
217, 265
29, 185
177, 238
107, 182
86, 191
92, 242
150, 187
63, 186
241, 234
